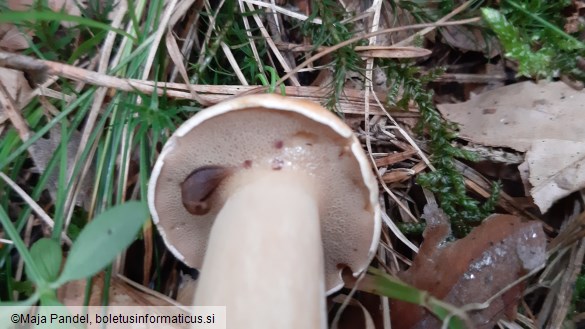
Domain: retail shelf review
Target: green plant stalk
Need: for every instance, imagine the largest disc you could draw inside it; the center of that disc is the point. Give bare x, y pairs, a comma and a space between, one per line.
8, 145
107, 283
62, 181
125, 152
144, 167
87, 291
143, 40
107, 160
85, 47
132, 9
34, 273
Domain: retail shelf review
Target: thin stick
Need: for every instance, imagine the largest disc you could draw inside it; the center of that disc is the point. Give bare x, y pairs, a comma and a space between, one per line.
284, 11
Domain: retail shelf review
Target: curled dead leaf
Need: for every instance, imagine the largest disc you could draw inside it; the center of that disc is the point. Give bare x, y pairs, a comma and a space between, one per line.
468, 38
473, 269
11, 38
17, 87
555, 170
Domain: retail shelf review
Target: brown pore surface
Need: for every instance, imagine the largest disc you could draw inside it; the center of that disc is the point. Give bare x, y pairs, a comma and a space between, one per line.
255, 140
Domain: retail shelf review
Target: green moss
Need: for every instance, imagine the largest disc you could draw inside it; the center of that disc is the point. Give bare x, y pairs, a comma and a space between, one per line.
331, 32
446, 182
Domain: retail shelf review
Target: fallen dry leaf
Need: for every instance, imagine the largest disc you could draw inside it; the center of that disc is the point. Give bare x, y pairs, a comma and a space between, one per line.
473, 269
17, 87
120, 293
44, 149
470, 39
13, 39
555, 170
516, 115
545, 119
16, 84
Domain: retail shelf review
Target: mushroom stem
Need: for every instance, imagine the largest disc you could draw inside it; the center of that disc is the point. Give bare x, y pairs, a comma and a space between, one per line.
264, 260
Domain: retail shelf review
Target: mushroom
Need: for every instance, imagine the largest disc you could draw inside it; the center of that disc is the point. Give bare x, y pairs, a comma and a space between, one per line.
271, 197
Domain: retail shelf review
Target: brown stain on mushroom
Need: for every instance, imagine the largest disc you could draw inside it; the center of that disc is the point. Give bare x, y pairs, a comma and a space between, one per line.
197, 188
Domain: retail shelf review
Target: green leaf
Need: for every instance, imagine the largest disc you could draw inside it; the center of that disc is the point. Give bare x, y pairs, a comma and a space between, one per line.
102, 239
46, 254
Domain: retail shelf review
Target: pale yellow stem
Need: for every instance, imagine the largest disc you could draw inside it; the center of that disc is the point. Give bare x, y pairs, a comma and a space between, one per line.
265, 256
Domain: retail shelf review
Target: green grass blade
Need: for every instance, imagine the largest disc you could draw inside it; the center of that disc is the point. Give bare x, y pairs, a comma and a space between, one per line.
21, 16
385, 285
33, 271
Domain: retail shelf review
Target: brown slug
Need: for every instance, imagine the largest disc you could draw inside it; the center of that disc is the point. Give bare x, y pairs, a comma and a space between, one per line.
198, 187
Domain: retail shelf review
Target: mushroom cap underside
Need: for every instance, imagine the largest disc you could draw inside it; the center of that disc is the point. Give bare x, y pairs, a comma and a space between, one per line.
271, 133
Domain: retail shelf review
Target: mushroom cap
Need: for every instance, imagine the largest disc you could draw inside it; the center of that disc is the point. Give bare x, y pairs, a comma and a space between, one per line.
271, 132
